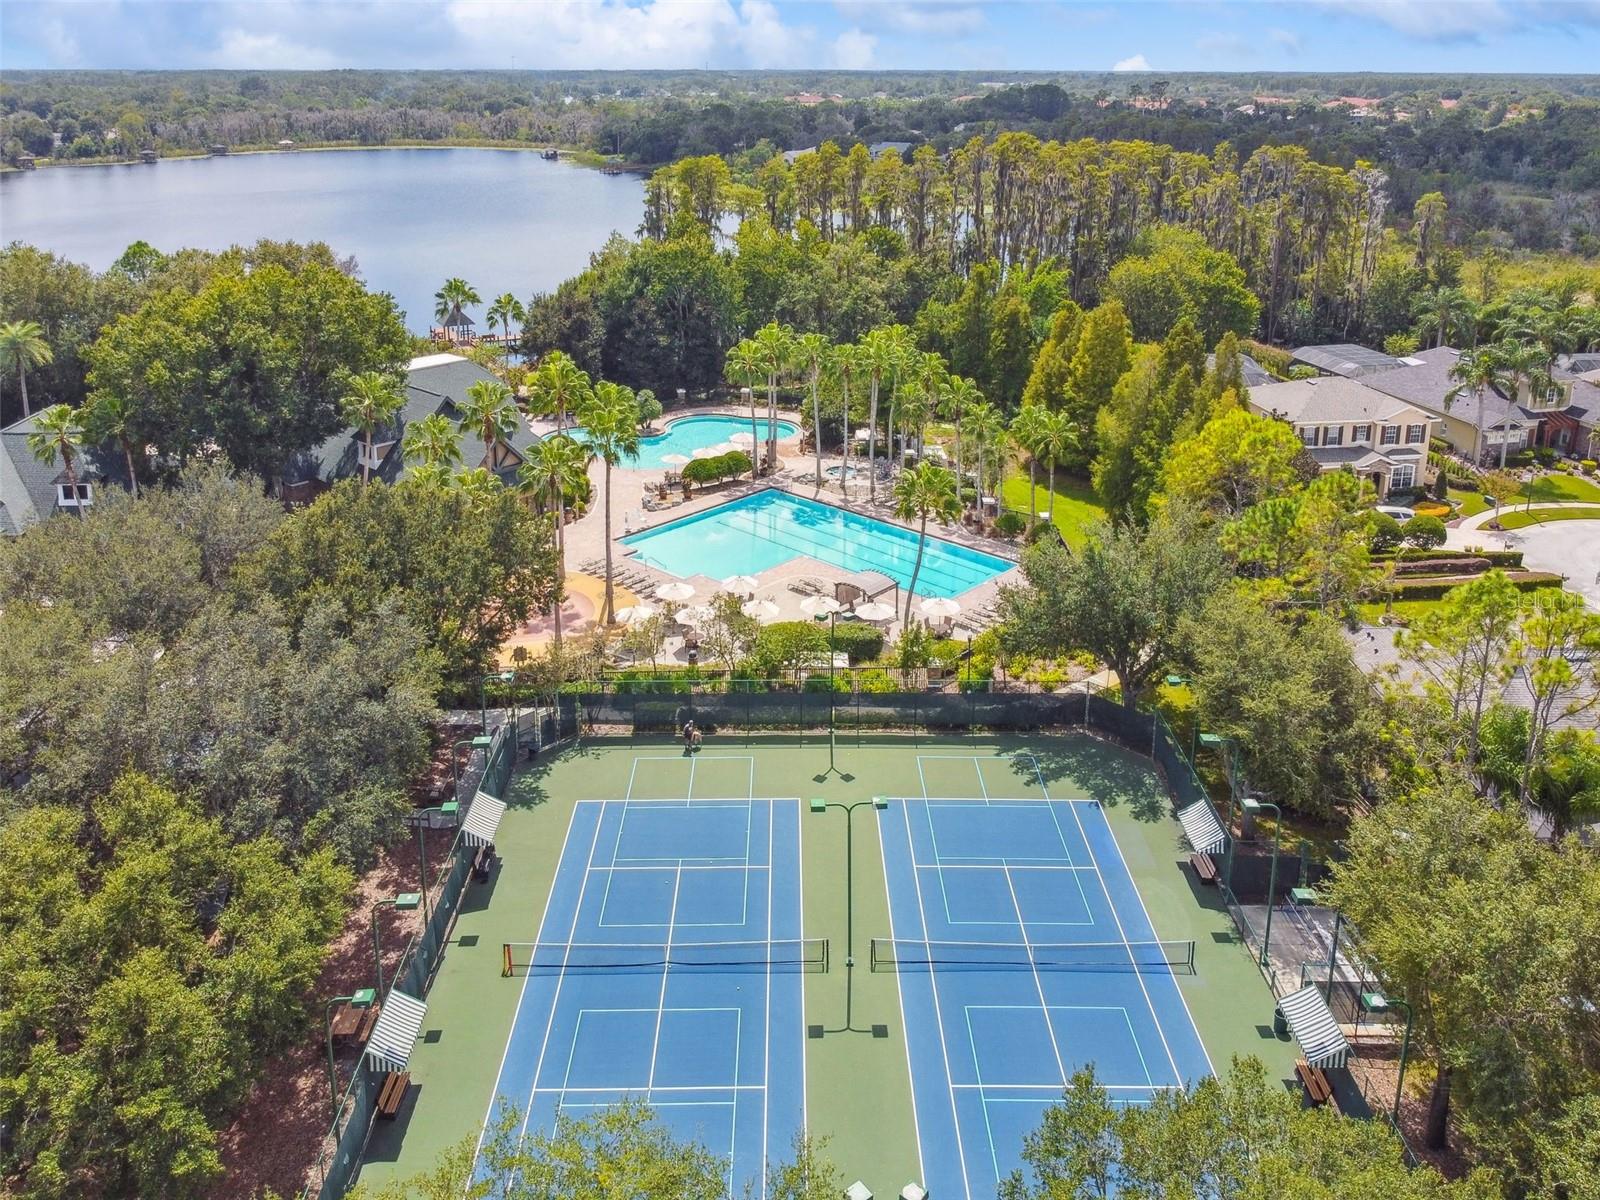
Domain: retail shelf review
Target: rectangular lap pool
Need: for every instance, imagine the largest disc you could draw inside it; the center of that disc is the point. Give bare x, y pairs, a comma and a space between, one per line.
767, 529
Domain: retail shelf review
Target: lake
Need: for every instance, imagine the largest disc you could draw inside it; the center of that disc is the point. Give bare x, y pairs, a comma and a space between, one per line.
503, 220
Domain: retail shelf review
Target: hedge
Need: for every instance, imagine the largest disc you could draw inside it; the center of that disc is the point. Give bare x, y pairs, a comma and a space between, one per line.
1441, 566
723, 466
862, 642
1428, 589
1499, 558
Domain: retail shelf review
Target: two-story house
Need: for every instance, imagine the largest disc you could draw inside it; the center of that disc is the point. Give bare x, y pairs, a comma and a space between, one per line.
30, 490
1348, 426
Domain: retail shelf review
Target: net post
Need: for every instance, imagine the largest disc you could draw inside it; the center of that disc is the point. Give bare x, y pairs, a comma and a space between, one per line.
505, 960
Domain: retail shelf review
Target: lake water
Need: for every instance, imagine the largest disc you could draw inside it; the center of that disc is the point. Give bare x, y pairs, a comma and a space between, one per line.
503, 220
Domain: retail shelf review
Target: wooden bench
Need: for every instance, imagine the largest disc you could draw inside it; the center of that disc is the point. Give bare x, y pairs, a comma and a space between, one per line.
1316, 1083
392, 1093
364, 1031
346, 1022
483, 863
1205, 869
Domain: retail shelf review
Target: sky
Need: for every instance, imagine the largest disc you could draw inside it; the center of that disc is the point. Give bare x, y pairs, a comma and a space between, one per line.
1536, 36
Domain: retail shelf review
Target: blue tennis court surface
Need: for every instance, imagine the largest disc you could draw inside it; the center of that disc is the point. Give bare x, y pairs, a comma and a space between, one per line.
1025, 953
667, 967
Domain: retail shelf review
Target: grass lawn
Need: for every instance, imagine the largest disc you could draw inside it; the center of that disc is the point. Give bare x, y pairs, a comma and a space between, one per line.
1077, 508
1409, 609
1538, 516
1559, 486
1468, 502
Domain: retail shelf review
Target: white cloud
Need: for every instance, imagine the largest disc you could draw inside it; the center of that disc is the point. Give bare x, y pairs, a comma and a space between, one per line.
1285, 38
1430, 20
239, 49
853, 50
1136, 63
913, 16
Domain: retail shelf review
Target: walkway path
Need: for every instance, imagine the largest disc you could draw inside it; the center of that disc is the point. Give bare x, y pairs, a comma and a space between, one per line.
1567, 548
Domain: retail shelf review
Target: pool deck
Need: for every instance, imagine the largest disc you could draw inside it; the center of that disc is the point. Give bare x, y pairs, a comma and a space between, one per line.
586, 537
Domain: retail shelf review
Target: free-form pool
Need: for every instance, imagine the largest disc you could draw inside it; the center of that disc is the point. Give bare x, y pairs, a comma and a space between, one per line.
768, 528
689, 434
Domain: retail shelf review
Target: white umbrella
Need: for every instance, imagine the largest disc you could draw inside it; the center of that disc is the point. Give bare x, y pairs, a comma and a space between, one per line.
939, 606
877, 610
819, 606
740, 583
695, 614
761, 610
635, 613
674, 460
743, 439
675, 591
707, 452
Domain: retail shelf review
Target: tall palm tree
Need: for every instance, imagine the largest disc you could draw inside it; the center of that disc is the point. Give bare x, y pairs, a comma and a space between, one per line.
1446, 312
22, 346
372, 401
557, 386
611, 419
454, 293
478, 485
743, 369
1028, 431
924, 491
774, 346
489, 410
109, 417
431, 442
903, 352
1477, 372
880, 354
931, 376
845, 365
1058, 438
811, 353
557, 468
57, 433
435, 475
956, 399
504, 311
985, 429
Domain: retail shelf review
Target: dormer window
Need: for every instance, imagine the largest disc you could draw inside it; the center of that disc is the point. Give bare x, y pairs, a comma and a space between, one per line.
79, 495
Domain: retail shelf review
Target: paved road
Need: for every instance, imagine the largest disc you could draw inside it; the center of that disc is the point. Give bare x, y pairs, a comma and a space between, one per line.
1570, 548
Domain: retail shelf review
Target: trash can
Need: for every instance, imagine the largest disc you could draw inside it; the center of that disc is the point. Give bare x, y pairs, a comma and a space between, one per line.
1280, 1023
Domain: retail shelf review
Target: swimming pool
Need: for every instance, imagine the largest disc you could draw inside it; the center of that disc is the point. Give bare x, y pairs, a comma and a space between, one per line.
768, 528
689, 434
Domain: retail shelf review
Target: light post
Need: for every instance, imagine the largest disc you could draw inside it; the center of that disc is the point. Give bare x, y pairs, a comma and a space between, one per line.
421, 817
1377, 1002
361, 999
1254, 806
404, 902
819, 805
482, 742
830, 614
483, 692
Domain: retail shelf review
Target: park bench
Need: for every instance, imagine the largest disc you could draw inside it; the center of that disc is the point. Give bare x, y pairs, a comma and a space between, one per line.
1205, 869
1316, 1083
368, 1020
392, 1093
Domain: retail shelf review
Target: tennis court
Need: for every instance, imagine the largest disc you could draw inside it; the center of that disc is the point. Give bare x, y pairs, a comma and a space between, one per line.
669, 964
1024, 953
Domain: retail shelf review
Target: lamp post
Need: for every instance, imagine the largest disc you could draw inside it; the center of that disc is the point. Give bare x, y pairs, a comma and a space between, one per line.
1253, 806
404, 902
483, 692
361, 999
1377, 1002
420, 818
819, 805
831, 617
482, 742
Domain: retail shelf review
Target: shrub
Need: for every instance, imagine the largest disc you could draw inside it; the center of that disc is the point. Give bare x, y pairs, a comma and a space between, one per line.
1544, 455
862, 642
1429, 589
1498, 558
1441, 486
1039, 529
1009, 524
1430, 509
1424, 531
712, 470
781, 646
1589, 465
819, 681
1442, 566
1302, 372
1386, 533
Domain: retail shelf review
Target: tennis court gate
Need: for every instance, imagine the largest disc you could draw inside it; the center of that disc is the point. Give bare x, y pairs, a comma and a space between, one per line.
488, 772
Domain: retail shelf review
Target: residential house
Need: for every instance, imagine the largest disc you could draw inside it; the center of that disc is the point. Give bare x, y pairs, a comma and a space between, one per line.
1347, 425
1252, 372
1573, 427
31, 491
1474, 425
435, 383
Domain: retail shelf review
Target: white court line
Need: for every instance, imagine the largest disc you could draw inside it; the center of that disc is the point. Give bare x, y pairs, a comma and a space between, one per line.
1050, 1026
766, 1029
977, 1069
666, 970
663, 1087
900, 997
1055, 1088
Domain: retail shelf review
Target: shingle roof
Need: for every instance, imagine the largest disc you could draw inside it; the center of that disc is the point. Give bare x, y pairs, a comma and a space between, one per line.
28, 486
1253, 373
1425, 381
1328, 398
1346, 359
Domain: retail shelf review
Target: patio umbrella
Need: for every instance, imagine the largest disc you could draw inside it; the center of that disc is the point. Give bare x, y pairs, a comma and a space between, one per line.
695, 614
819, 606
636, 613
740, 583
761, 610
674, 460
743, 439
707, 452
675, 591
877, 610
939, 606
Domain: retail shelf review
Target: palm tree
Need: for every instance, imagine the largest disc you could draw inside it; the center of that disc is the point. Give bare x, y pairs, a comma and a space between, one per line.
1027, 430
1058, 438
811, 352
556, 469
432, 475
372, 402
903, 348
924, 491
109, 417
57, 433
1445, 312
986, 429
456, 293
774, 346
431, 442
558, 385
490, 411
845, 364
22, 345
743, 369
505, 310
931, 376
478, 485
880, 356
611, 419
1477, 372
957, 397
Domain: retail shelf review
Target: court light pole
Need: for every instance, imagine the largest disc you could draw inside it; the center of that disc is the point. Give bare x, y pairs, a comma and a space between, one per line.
831, 617
483, 692
1254, 806
361, 999
1377, 1002
404, 902
421, 818
819, 806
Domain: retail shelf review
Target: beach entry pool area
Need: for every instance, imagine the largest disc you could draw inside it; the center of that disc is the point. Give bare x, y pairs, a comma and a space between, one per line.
689, 434
767, 529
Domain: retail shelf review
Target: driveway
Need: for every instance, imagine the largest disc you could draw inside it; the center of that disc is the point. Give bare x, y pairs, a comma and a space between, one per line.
1568, 548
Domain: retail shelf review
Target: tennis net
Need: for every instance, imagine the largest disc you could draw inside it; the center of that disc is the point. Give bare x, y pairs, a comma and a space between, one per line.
802, 954
901, 954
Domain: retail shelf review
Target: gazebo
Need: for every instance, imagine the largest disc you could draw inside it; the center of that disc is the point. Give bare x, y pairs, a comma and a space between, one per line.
457, 325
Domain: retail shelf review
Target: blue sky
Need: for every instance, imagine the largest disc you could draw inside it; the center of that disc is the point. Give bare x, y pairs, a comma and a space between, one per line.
1162, 35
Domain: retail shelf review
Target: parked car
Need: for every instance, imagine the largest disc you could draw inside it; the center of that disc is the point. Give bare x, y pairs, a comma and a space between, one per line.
1398, 511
